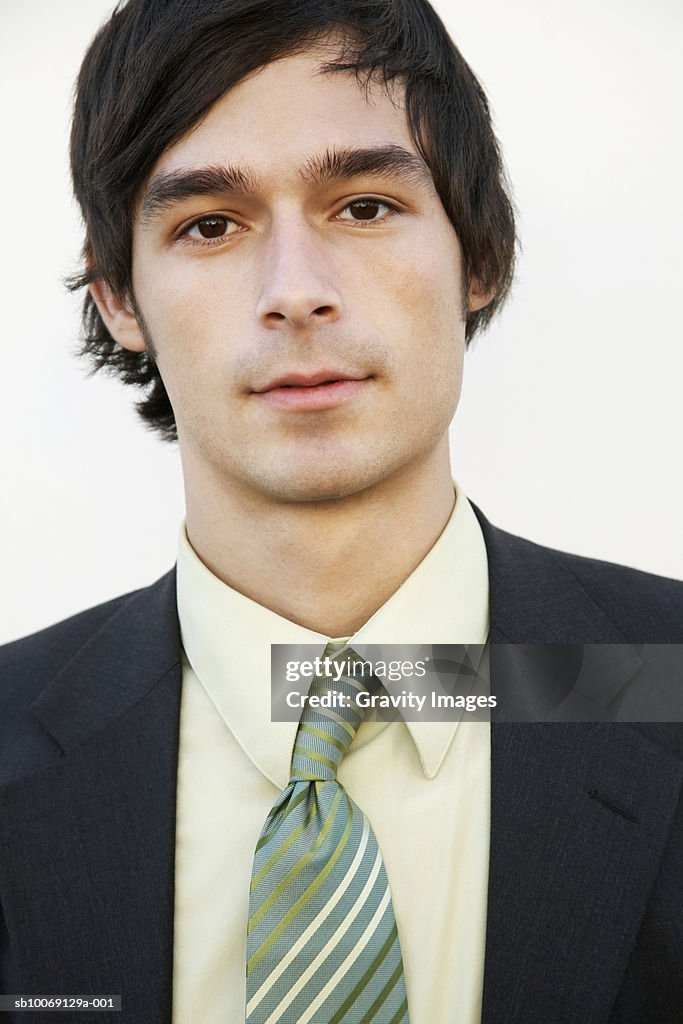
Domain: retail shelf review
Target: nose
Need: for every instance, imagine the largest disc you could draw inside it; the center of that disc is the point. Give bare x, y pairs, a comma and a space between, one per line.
298, 280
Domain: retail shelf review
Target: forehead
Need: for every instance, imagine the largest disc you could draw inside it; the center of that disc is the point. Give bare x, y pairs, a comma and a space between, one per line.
287, 111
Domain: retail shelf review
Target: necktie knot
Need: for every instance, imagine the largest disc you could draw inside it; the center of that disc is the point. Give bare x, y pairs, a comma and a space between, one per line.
329, 722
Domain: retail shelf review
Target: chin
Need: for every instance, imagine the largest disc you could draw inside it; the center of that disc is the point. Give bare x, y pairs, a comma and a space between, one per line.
302, 490
318, 483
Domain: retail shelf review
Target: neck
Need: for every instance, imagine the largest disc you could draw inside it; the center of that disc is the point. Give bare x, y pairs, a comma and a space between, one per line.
326, 565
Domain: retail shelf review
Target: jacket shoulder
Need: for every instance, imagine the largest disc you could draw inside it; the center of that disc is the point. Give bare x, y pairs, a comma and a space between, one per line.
634, 597
70, 665
640, 604
56, 643
27, 665
543, 595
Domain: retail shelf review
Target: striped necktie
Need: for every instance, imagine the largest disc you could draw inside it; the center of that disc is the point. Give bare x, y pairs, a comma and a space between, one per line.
322, 943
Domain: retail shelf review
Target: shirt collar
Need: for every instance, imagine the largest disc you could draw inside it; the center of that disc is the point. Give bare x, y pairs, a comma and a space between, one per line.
227, 636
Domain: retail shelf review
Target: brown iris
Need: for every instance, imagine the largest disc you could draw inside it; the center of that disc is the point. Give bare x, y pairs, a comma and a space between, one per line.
212, 227
365, 209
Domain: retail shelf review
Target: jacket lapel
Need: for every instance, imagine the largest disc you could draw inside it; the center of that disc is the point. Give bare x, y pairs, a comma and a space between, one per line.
89, 841
579, 812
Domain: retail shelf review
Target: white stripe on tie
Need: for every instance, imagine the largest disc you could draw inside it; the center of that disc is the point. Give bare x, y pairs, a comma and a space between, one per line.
313, 927
350, 960
331, 944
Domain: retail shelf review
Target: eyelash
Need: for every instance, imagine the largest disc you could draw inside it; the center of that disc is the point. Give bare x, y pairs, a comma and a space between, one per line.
185, 238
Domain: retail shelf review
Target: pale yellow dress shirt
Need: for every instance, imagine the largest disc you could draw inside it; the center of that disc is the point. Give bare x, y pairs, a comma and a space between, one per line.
423, 785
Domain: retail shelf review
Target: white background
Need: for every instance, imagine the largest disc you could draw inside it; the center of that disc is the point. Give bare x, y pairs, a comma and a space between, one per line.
569, 431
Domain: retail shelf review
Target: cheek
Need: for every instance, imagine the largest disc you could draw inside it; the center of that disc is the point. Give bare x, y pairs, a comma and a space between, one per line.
425, 320
190, 320
423, 275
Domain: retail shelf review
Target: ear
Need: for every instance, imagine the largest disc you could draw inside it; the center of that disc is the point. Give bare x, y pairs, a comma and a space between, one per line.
118, 316
478, 296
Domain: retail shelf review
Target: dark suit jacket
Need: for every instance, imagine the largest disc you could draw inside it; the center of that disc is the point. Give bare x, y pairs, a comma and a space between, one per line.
585, 913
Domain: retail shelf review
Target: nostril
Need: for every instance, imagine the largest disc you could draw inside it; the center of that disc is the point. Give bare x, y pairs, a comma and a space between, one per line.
295, 310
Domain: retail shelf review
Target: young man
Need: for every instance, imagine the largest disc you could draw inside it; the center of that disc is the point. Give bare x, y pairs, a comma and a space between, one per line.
295, 219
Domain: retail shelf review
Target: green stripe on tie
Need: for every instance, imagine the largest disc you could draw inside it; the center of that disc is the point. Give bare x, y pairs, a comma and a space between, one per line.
291, 838
301, 902
360, 985
298, 867
315, 731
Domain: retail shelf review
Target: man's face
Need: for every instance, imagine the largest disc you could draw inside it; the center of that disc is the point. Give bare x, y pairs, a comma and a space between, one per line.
301, 285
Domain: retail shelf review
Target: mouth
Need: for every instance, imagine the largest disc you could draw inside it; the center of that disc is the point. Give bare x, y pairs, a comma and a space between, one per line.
309, 380
322, 390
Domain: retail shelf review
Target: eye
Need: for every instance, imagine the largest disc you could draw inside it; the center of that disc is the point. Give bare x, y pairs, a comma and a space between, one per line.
212, 226
367, 210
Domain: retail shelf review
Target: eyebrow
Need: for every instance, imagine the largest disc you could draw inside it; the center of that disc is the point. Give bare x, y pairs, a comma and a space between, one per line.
341, 164
170, 187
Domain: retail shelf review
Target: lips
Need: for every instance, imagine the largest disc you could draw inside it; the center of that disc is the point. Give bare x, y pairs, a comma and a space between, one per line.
312, 392
312, 380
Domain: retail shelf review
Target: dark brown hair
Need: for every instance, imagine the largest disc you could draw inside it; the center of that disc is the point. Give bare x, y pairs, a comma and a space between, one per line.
157, 66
